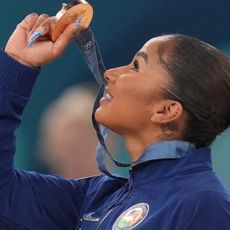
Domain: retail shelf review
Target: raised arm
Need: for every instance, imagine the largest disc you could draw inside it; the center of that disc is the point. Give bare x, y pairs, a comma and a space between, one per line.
30, 200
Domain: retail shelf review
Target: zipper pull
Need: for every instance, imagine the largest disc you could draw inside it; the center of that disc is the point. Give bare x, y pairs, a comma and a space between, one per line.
131, 179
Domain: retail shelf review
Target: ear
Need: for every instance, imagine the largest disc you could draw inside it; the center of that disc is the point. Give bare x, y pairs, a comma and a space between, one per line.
166, 111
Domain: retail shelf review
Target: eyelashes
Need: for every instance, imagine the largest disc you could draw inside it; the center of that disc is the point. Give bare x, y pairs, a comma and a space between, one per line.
136, 66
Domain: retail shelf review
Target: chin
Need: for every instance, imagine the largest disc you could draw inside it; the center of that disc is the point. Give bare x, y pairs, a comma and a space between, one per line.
107, 124
108, 119
100, 117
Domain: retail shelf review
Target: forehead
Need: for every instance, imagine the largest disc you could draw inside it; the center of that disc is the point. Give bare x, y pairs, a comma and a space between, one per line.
154, 67
151, 47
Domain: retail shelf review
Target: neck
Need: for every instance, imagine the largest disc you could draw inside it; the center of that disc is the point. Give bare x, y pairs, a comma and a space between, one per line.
136, 144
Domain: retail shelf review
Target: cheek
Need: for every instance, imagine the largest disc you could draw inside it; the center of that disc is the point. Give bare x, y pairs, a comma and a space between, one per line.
123, 115
131, 107
139, 91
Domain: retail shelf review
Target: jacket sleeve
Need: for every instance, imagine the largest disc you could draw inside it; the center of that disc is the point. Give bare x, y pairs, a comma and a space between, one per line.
204, 210
29, 199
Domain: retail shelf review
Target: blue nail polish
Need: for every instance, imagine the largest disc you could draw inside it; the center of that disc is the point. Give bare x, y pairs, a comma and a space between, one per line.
36, 35
30, 43
78, 21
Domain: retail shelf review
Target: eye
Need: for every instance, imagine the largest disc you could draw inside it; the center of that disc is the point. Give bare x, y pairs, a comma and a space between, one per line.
136, 66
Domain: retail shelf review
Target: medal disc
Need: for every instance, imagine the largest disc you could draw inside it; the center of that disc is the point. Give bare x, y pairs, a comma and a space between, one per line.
80, 12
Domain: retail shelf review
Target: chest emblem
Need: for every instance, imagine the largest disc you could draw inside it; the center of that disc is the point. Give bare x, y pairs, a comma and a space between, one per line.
132, 217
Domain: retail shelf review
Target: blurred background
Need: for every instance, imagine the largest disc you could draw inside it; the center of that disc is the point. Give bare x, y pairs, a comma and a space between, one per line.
121, 28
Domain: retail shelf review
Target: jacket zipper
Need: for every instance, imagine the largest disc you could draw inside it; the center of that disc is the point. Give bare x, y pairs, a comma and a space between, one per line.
116, 206
107, 214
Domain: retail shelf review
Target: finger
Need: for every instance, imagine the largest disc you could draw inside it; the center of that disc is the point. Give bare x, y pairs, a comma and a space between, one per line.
21, 31
26, 21
41, 19
31, 20
39, 32
63, 40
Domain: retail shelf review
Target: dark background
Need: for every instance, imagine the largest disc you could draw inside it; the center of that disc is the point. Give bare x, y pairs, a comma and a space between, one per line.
121, 28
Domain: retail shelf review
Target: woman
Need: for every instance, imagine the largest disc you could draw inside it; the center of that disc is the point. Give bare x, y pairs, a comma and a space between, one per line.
169, 103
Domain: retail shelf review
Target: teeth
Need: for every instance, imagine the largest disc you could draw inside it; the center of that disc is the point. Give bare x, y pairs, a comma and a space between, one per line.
108, 96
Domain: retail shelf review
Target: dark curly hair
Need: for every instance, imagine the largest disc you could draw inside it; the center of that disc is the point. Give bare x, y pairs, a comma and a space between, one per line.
200, 76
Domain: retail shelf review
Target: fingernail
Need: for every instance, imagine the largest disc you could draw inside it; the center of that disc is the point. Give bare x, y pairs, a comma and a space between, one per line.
78, 21
30, 43
36, 35
77, 24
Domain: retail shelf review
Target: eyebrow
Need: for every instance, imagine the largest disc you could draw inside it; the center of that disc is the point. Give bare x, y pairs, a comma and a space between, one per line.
143, 55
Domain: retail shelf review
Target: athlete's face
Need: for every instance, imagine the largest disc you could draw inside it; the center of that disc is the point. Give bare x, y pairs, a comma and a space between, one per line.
134, 91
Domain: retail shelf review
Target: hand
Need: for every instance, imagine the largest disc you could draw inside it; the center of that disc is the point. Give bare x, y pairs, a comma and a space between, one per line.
43, 50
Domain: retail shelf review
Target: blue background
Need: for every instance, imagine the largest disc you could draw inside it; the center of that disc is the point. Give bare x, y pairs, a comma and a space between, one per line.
121, 28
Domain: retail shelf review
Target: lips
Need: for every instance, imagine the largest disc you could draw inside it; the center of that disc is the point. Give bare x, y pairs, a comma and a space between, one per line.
108, 94
107, 97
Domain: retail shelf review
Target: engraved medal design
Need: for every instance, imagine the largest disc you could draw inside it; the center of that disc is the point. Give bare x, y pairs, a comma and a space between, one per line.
132, 217
79, 12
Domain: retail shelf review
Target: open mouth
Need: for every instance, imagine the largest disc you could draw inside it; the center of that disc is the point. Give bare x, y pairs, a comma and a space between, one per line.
108, 96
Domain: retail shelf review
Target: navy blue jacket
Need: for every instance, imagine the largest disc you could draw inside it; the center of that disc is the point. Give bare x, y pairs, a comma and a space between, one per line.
164, 194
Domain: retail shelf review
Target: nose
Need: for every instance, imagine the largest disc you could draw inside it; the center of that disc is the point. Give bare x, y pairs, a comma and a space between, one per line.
111, 75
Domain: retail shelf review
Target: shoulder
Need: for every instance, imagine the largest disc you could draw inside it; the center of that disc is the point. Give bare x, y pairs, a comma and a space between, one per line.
206, 208
206, 197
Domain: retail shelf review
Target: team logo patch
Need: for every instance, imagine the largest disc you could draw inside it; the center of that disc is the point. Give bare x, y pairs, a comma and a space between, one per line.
132, 217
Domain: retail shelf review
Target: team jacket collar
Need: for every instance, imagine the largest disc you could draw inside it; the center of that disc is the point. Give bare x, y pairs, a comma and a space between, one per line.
165, 150
168, 159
